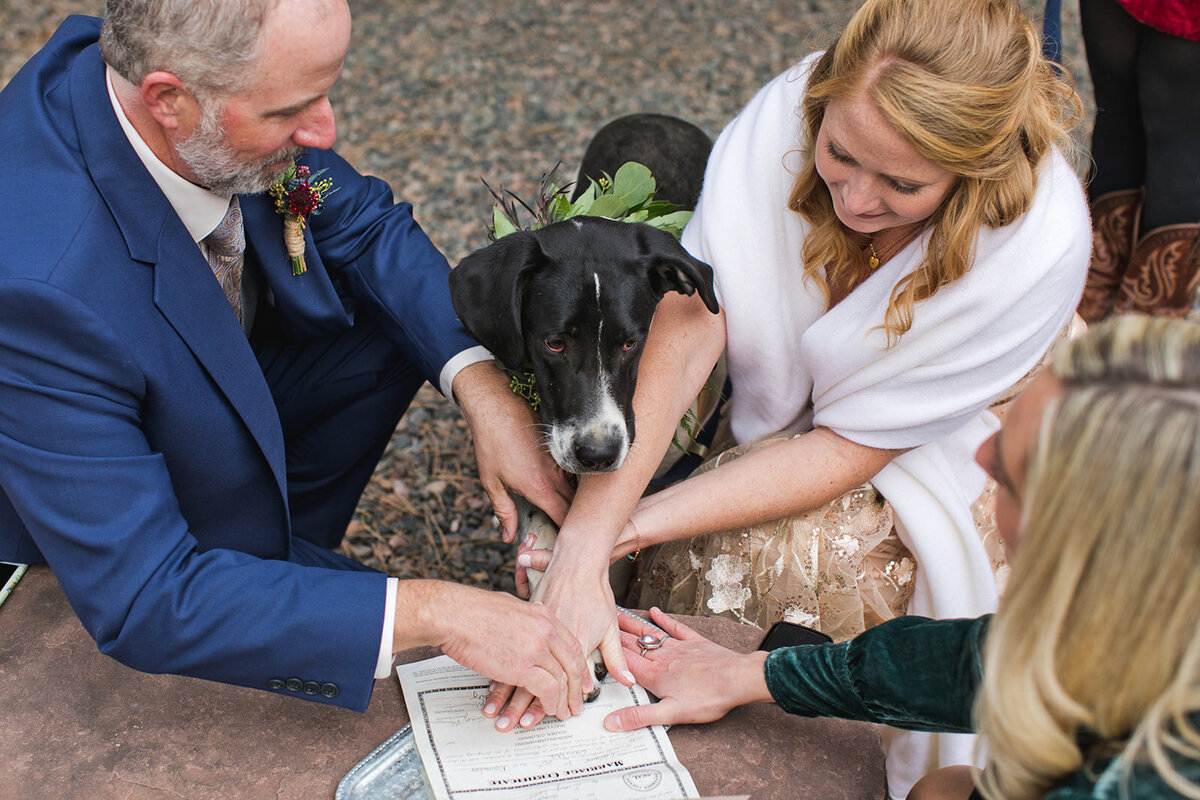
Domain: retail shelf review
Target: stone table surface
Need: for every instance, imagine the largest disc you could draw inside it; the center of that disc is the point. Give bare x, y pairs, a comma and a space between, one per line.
78, 724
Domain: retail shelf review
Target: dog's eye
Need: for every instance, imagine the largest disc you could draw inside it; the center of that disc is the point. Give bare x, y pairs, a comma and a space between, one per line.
630, 344
555, 345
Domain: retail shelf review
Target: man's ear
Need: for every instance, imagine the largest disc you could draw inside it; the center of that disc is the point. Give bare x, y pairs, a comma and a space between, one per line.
168, 101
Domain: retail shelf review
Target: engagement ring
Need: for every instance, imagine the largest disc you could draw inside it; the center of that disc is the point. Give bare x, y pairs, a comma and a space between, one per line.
648, 641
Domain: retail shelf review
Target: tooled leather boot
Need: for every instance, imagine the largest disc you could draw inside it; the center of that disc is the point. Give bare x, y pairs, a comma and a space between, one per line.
1164, 272
1113, 218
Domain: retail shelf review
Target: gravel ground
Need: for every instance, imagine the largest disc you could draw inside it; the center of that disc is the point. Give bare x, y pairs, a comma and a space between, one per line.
439, 94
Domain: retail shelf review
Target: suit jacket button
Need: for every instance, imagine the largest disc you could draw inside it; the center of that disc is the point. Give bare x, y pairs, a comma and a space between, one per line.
294, 684
330, 690
311, 687
275, 684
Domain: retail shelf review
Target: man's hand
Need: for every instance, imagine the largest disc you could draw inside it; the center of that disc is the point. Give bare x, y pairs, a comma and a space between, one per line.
509, 448
583, 600
696, 679
498, 636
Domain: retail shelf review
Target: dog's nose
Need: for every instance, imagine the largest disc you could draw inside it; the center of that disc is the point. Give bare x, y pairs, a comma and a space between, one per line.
596, 456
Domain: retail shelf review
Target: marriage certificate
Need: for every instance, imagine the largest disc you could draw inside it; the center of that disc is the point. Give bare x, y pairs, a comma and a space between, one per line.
465, 757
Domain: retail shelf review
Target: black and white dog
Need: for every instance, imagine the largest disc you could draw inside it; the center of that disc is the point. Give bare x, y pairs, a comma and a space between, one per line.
573, 302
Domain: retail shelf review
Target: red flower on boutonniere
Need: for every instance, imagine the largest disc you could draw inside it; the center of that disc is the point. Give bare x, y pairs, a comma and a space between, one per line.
299, 194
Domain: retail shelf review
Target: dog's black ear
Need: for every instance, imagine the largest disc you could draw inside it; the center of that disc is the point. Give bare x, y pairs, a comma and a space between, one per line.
486, 288
670, 268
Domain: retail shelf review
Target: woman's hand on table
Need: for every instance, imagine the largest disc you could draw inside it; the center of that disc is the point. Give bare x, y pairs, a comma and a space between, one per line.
696, 679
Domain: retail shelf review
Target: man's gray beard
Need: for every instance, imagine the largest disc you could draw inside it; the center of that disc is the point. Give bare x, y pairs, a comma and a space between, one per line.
217, 167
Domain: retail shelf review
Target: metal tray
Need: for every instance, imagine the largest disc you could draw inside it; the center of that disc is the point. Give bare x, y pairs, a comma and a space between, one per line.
392, 770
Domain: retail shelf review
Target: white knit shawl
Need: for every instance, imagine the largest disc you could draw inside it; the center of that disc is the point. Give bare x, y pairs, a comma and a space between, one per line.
795, 365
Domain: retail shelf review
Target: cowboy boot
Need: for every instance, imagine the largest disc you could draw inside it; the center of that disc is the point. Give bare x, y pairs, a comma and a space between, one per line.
1164, 272
1113, 218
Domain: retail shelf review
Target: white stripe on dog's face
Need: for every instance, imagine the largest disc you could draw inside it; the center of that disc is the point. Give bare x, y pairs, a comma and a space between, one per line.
599, 326
601, 430
599, 329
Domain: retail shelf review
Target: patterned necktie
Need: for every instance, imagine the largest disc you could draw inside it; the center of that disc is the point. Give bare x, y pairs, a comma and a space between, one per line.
226, 246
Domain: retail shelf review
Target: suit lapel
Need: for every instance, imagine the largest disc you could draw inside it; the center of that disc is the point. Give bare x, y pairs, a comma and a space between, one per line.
307, 304
192, 301
185, 291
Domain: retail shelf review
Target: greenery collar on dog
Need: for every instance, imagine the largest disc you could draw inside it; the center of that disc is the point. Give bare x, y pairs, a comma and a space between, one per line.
627, 196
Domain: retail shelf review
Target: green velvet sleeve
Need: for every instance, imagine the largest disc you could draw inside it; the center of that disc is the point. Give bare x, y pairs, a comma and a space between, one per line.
910, 672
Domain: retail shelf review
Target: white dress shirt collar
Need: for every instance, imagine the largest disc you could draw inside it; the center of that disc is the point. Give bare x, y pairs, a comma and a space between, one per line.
200, 209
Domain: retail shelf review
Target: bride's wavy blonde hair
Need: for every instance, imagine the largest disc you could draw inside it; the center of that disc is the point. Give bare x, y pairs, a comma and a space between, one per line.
966, 84
1098, 632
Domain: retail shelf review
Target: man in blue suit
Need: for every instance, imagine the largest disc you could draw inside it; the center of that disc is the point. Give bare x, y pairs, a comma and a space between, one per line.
185, 430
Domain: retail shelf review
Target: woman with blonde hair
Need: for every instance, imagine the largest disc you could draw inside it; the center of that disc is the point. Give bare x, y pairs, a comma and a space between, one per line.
889, 264
1086, 682
897, 241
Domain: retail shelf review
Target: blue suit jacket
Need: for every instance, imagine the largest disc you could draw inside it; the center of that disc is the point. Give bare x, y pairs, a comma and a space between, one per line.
141, 454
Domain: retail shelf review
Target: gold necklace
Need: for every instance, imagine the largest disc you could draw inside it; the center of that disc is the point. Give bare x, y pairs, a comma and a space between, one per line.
873, 260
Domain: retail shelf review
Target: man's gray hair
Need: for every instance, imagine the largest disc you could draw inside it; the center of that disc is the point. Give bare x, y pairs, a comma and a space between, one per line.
207, 44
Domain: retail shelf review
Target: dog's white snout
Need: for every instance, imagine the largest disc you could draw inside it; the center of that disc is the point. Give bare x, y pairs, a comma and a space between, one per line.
597, 443
591, 448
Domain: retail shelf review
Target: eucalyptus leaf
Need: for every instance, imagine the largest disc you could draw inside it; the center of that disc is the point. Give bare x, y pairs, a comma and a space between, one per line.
672, 223
658, 208
501, 225
560, 207
609, 205
633, 183
679, 218
583, 204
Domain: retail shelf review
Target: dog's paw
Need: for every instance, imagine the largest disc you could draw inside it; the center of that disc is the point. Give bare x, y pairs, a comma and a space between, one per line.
599, 671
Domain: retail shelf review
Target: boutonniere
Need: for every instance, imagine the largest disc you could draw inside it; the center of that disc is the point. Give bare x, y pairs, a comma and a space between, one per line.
299, 194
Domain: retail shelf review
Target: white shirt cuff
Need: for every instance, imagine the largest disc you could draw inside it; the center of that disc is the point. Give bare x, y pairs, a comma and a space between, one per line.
383, 667
472, 355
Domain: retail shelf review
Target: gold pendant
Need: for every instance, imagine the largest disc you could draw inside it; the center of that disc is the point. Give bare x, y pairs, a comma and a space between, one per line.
872, 262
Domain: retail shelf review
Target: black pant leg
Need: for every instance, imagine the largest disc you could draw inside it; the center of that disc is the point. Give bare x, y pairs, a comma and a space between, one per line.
339, 399
1169, 91
1112, 39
